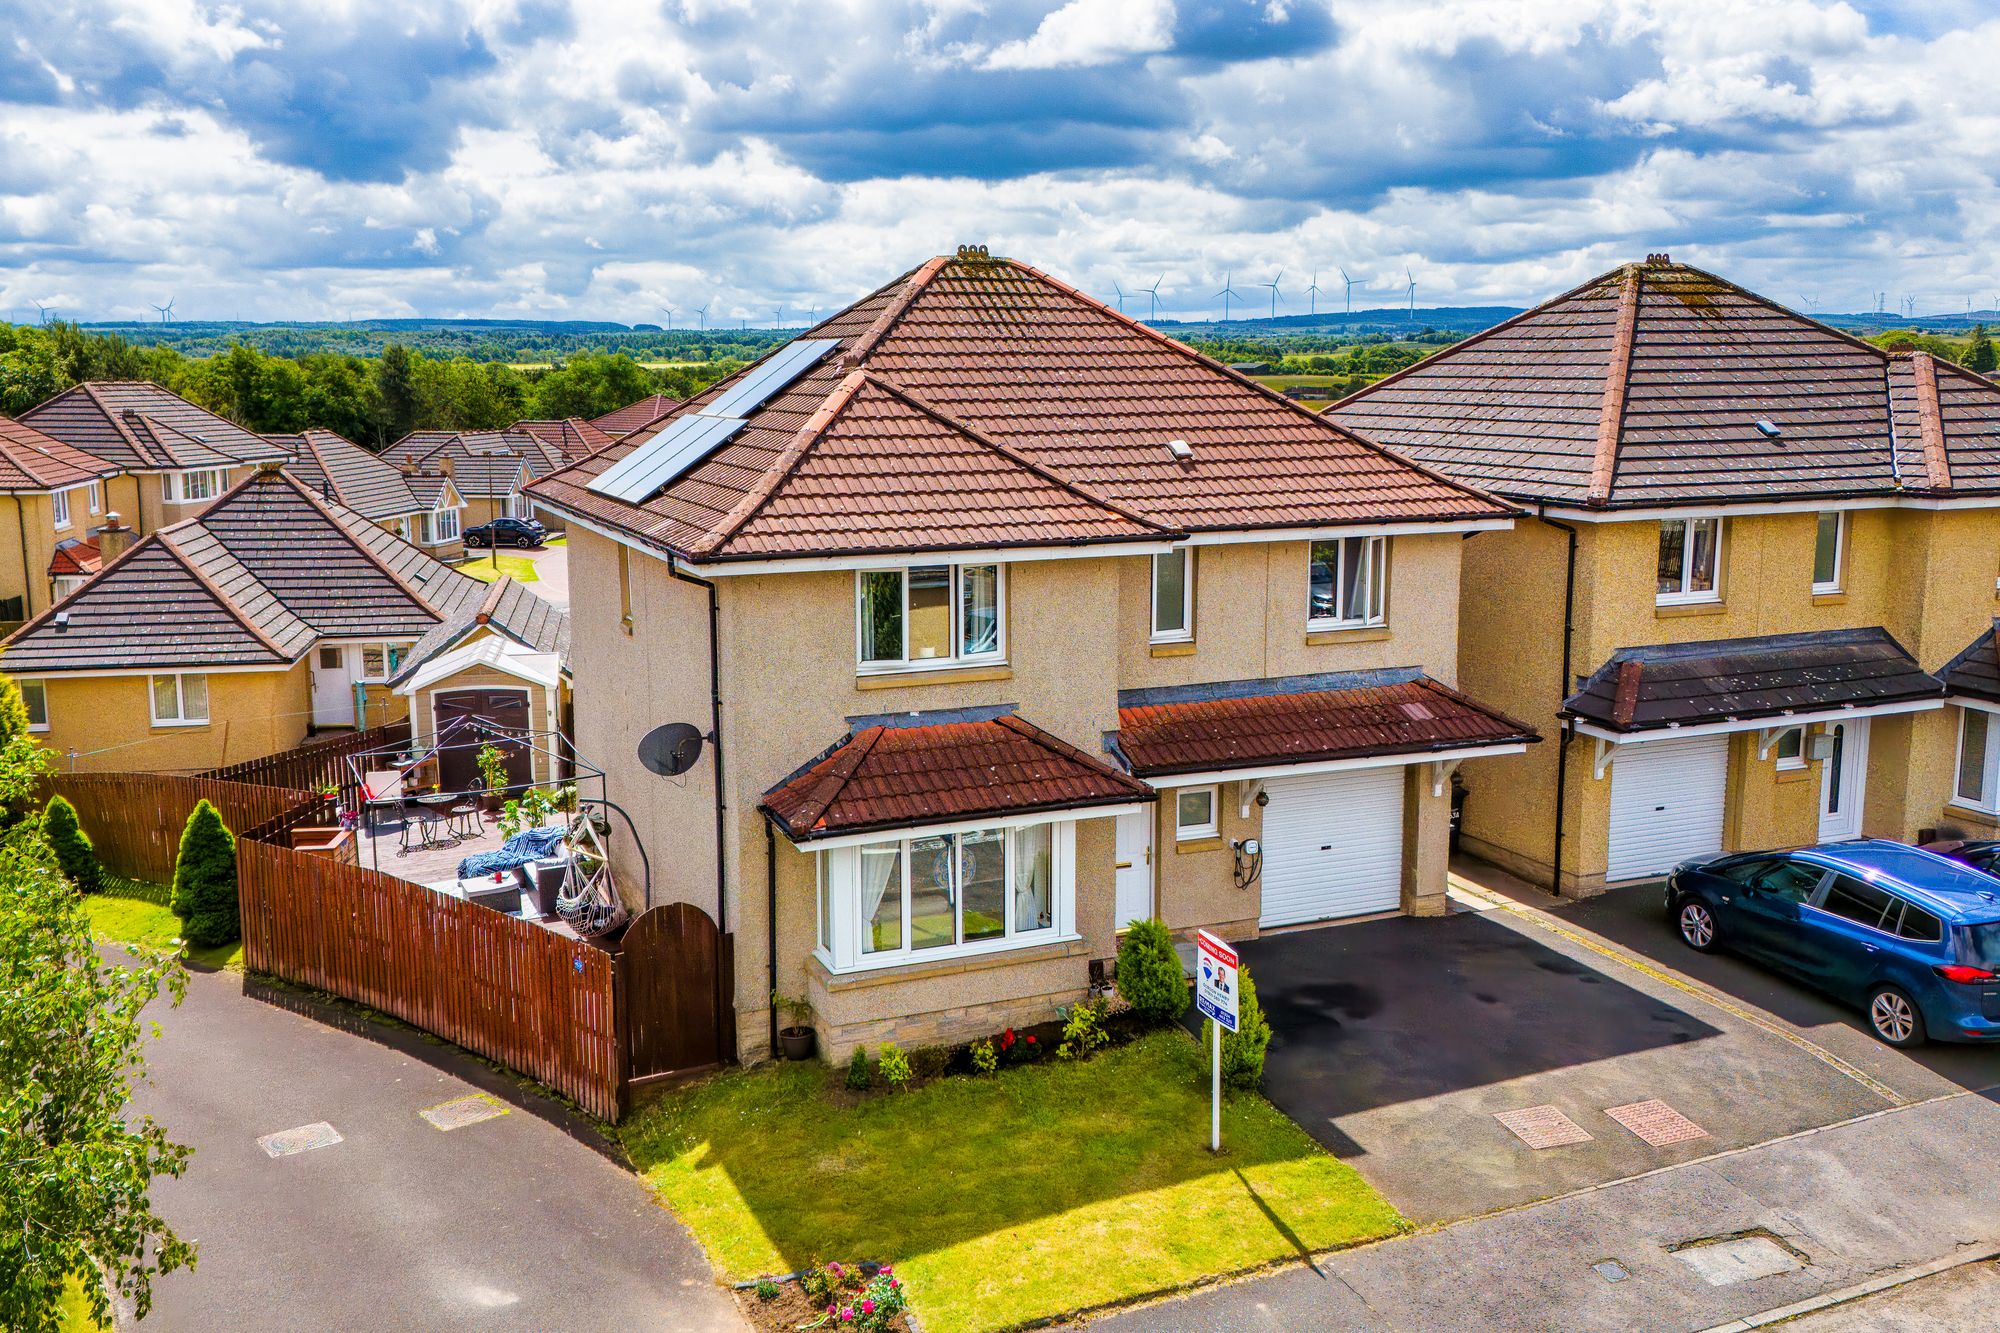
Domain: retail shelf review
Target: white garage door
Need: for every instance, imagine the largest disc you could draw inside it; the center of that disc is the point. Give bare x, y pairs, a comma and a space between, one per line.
1666, 804
1333, 845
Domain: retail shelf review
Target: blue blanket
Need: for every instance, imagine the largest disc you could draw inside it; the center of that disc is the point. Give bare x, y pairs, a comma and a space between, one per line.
534, 844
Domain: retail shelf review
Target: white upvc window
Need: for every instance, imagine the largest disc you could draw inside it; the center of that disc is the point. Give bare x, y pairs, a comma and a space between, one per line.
1347, 583
438, 527
380, 661
186, 487
1978, 775
1829, 551
35, 694
929, 616
519, 506
947, 894
1690, 561
1194, 814
93, 495
180, 700
60, 501
1790, 749
1173, 596
65, 584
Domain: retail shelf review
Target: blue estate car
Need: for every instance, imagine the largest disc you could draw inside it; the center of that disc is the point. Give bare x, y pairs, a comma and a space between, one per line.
1909, 936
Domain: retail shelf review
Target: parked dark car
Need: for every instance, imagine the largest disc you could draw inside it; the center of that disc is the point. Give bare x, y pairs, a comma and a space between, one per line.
521, 532
1980, 853
1909, 936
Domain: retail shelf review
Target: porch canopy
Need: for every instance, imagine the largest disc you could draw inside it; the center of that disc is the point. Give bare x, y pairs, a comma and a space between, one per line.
1973, 677
1189, 735
1773, 682
919, 772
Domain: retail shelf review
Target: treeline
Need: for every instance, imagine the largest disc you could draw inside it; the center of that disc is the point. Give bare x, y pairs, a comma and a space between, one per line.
373, 401
480, 340
1974, 353
1365, 358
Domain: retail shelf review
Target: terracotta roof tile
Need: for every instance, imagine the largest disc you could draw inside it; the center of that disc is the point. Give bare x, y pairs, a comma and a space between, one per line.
884, 776
31, 461
485, 464
1302, 719
73, 556
136, 425
572, 438
624, 420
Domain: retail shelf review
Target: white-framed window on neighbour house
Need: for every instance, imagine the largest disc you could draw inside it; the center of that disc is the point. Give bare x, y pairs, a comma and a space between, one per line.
1194, 814
1978, 776
438, 527
1173, 596
93, 495
1347, 583
187, 487
929, 616
180, 700
1690, 561
59, 500
519, 506
380, 661
35, 696
1790, 750
947, 894
1829, 551
65, 584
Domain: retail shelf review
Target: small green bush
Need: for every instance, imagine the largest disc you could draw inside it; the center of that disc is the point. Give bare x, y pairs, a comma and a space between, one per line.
984, 1058
1149, 973
1243, 1049
1083, 1030
929, 1062
71, 845
767, 1290
894, 1064
857, 1070
205, 880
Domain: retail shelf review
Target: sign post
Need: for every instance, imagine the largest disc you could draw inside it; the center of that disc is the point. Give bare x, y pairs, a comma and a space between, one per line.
1215, 997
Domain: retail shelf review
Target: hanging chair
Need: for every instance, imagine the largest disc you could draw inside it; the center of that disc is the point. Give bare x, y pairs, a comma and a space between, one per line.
588, 900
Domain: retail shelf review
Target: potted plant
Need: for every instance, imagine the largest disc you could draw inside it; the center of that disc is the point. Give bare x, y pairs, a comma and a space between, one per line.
493, 772
797, 1040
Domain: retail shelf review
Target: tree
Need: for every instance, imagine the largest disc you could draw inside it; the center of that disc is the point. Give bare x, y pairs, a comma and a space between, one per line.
396, 394
71, 846
1149, 973
1979, 353
19, 754
74, 1202
204, 895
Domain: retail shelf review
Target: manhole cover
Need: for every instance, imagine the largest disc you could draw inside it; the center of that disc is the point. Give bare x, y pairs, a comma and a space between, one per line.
303, 1139
1729, 1260
1543, 1127
1656, 1122
462, 1111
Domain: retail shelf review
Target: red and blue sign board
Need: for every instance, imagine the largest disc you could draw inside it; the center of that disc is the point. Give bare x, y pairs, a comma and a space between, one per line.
1215, 980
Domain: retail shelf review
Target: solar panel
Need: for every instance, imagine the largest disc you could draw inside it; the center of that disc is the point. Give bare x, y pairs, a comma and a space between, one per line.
690, 438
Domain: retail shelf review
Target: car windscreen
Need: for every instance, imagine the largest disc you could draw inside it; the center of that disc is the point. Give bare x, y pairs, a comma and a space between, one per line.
1979, 945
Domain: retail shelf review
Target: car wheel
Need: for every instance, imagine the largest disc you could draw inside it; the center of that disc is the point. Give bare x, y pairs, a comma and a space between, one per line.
1697, 925
1895, 1018
523, 542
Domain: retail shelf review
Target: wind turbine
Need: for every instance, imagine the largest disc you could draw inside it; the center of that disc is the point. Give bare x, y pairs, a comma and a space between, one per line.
1413, 292
777, 317
1273, 285
166, 311
1350, 289
670, 317
1312, 296
1121, 295
1154, 292
1225, 294
44, 311
701, 312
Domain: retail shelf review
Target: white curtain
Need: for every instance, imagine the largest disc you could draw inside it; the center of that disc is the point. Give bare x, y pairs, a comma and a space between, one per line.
881, 870
1031, 878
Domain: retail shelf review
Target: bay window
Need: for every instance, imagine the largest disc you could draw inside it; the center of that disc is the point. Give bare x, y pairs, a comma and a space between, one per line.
946, 894
183, 487
1690, 555
1348, 583
929, 616
1978, 781
1829, 539
438, 527
180, 700
1173, 596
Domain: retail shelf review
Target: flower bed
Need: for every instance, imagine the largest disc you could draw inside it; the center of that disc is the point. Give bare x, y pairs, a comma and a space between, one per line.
859, 1298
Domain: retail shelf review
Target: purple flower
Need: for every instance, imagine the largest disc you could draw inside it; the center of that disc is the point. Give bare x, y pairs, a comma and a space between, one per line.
885, 1270
847, 1312
835, 1269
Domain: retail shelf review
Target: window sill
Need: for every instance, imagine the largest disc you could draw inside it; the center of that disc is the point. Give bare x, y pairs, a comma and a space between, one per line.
1959, 807
1349, 634
1069, 946
1172, 648
1212, 843
159, 725
1832, 597
1794, 774
890, 680
1674, 610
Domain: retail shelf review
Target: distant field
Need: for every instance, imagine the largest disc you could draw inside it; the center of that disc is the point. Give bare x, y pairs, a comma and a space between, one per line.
649, 365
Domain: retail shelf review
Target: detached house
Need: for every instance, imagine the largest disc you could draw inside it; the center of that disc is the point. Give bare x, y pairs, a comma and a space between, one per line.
622, 421
364, 481
54, 501
488, 471
571, 437
1756, 591
1010, 621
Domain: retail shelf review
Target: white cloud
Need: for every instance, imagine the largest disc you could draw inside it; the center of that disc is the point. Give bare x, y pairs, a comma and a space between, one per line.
1090, 32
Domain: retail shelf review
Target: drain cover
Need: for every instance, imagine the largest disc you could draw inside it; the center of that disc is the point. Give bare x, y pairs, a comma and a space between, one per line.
1543, 1127
1723, 1263
303, 1139
463, 1111
1656, 1122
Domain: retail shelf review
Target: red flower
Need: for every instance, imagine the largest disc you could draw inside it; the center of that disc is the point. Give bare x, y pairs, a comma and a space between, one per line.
1031, 1039
868, 1307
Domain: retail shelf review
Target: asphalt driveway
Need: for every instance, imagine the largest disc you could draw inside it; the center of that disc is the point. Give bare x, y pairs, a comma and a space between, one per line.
1397, 1042
521, 1221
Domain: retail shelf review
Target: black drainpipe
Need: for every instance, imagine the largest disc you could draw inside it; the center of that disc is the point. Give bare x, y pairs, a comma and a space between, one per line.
714, 736
27, 569
771, 925
1564, 734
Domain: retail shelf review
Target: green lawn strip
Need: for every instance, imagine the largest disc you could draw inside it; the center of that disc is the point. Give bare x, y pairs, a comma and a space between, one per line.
516, 567
1036, 1192
75, 1309
129, 911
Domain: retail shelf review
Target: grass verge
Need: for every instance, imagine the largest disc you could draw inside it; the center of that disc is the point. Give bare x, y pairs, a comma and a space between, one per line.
516, 567
1035, 1192
129, 911
74, 1313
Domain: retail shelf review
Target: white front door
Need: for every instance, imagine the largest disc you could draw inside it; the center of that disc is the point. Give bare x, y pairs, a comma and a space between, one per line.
1135, 867
1333, 846
333, 685
1667, 803
1843, 781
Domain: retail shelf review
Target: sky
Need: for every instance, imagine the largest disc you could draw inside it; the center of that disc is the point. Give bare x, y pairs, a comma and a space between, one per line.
603, 159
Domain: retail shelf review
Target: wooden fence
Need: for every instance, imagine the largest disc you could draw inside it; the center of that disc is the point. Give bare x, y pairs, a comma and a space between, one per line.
135, 819
306, 767
534, 1000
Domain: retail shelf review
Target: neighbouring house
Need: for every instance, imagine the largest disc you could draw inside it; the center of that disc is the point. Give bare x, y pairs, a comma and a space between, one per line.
54, 502
635, 416
236, 633
572, 437
490, 470
1010, 621
1756, 591
373, 487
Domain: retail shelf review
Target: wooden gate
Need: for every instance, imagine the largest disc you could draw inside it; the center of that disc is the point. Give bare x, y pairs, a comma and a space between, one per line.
671, 966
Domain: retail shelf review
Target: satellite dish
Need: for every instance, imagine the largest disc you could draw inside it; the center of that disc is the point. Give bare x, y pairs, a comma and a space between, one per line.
670, 750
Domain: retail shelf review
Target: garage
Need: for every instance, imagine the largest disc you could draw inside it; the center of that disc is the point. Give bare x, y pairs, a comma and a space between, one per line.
1333, 845
1666, 804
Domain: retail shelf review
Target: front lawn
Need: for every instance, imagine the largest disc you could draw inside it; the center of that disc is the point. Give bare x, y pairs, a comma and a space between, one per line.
1040, 1190
516, 567
128, 911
